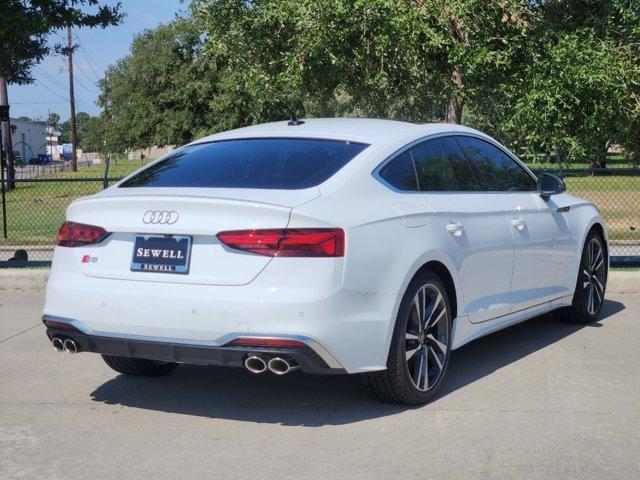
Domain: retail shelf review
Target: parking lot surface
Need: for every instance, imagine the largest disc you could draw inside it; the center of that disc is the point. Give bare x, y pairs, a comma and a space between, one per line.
538, 400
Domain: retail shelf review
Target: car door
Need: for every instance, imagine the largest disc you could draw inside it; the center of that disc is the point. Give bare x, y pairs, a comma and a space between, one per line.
474, 224
541, 235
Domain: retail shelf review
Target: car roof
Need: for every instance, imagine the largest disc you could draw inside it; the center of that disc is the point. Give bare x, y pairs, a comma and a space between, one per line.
366, 130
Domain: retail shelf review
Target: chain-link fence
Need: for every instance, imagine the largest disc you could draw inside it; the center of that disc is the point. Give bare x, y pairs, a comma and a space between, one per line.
87, 167
616, 193
35, 208
32, 214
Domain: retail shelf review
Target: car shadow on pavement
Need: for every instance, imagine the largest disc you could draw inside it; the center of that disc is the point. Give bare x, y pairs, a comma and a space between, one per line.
307, 400
488, 354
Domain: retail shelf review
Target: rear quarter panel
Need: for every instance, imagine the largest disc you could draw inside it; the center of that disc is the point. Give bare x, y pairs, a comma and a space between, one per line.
384, 248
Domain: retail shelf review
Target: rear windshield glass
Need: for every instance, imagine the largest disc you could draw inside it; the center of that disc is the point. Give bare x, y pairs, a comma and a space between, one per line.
272, 163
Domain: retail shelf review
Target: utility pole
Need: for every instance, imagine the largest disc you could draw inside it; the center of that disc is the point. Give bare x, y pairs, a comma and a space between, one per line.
4, 115
72, 101
6, 134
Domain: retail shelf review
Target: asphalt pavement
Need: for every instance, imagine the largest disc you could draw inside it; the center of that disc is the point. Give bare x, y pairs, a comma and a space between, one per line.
539, 400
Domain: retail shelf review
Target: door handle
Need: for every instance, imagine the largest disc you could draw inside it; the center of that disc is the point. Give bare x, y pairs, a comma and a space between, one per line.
455, 228
518, 223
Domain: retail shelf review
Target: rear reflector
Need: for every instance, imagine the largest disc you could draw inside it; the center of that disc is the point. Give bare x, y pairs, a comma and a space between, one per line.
288, 242
266, 342
59, 325
72, 234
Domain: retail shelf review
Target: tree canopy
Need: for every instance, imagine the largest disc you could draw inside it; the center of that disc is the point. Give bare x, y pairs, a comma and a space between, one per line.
26, 23
554, 75
162, 93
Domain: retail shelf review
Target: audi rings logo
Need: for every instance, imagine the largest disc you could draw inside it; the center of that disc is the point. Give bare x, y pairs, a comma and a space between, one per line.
160, 217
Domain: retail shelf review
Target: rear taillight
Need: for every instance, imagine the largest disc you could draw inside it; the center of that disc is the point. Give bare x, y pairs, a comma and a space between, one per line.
72, 234
288, 242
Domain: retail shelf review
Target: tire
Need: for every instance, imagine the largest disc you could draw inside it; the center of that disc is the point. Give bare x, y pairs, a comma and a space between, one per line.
406, 380
591, 283
139, 367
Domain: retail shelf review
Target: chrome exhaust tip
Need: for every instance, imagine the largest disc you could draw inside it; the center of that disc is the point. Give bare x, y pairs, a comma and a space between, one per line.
255, 364
71, 346
57, 343
281, 366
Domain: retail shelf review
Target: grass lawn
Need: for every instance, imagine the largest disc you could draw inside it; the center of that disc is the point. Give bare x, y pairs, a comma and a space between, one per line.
617, 198
536, 162
35, 211
118, 167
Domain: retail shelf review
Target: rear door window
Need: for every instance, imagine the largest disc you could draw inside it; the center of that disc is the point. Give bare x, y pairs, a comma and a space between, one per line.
442, 167
262, 163
500, 172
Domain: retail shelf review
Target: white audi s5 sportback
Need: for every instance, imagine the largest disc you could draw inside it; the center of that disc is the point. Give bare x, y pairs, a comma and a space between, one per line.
326, 245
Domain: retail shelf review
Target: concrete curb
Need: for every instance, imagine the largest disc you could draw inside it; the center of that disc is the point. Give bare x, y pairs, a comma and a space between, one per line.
36, 279
24, 278
623, 282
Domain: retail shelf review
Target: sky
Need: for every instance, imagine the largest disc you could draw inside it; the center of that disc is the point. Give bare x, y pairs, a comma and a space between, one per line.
98, 48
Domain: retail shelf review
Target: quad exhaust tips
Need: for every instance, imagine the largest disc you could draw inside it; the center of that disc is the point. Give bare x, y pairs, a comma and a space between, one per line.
58, 344
255, 364
71, 346
276, 365
281, 366
64, 344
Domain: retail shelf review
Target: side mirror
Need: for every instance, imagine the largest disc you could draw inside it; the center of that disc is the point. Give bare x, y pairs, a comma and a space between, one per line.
549, 184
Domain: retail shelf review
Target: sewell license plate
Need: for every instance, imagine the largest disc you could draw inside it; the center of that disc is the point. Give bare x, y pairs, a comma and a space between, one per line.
161, 254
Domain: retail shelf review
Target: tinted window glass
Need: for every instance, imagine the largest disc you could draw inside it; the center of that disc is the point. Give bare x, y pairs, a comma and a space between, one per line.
400, 173
282, 163
500, 172
441, 167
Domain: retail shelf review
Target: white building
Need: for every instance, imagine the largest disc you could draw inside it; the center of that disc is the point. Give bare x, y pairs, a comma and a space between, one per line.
28, 138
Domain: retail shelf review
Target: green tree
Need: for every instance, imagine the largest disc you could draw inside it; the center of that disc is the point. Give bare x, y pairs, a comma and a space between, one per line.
93, 135
579, 99
577, 89
419, 60
162, 93
53, 120
26, 23
82, 118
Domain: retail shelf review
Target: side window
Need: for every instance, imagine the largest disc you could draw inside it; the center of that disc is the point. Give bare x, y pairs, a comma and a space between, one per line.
500, 172
400, 173
442, 167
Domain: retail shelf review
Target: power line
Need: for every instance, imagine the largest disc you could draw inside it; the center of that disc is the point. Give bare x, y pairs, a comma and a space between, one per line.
85, 76
85, 103
51, 79
86, 56
39, 102
83, 85
42, 84
78, 67
58, 35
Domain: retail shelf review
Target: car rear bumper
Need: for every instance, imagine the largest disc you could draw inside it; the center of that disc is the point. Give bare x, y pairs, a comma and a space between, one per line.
312, 357
284, 302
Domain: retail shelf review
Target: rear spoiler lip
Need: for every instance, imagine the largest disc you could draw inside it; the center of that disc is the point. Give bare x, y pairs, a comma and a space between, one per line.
262, 196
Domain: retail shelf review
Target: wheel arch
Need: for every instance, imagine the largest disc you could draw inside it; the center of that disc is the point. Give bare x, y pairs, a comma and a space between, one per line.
443, 273
585, 219
442, 266
599, 228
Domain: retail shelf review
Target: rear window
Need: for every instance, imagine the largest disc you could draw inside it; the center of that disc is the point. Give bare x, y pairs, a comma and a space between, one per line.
269, 163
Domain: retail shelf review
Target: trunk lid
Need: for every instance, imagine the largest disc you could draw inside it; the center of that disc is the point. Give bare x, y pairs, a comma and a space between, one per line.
196, 213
